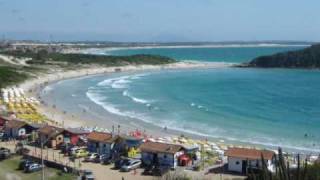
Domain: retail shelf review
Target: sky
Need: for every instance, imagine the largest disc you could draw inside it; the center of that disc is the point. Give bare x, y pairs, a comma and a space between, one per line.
160, 20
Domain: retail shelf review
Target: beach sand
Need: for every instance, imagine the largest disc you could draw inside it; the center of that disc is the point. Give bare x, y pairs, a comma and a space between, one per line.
33, 88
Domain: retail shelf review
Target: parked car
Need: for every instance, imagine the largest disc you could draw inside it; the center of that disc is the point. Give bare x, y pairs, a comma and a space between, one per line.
81, 153
66, 149
87, 175
4, 153
105, 160
92, 157
33, 168
120, 162
73, 150
131, 165
24, 164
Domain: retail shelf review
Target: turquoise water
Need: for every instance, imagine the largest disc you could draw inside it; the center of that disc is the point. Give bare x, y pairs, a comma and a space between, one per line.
271, 107
217, 54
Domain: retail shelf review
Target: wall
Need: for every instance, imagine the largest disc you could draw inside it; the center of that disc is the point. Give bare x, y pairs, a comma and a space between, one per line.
100, 148
165, 159
59, 139
146, 158
22, 132
233, 166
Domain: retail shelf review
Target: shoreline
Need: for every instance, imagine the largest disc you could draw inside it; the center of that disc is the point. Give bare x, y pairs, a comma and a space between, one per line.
33, 87
71, 120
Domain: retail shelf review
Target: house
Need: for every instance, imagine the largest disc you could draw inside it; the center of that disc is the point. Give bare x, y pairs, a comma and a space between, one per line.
162, 154
128, 145
51, 136
17, 129
241, 159
101, 143
75, 136
131, 141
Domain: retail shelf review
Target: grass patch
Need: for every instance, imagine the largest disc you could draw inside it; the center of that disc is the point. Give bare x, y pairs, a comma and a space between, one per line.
45, 58
8, 170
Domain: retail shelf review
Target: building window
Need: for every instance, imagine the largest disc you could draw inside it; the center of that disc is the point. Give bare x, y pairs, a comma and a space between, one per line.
237, 162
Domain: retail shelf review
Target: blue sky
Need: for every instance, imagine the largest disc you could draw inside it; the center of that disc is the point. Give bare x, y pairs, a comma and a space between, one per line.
161, 20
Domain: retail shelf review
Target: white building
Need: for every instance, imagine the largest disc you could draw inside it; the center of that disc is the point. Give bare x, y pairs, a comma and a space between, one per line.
242, 159
162, 154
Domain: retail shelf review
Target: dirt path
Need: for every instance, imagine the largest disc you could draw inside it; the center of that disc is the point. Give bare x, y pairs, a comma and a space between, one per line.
103, 172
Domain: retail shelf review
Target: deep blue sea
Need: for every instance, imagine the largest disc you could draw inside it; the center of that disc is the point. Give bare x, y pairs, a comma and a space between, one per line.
272, 107
215, 54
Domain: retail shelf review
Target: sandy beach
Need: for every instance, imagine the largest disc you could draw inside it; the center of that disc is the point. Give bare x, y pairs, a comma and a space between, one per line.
33, 87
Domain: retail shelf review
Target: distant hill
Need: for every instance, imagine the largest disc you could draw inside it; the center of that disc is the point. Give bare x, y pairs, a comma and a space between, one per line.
305, 58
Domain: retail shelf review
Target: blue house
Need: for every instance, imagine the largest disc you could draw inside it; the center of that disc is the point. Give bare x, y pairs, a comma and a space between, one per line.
101, 143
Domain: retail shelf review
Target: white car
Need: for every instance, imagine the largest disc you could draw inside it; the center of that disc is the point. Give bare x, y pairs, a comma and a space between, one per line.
74, 149
130, 165
92, 157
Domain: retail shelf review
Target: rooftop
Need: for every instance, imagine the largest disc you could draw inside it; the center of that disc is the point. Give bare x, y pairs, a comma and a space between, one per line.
15, 124
100, 137
157, 147
50, 130
76, 131
249, 153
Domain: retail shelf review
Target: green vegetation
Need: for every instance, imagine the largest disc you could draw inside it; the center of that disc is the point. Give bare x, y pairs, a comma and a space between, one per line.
303, 171
8, 170
42, 57
42, 61
10, 76
306, 58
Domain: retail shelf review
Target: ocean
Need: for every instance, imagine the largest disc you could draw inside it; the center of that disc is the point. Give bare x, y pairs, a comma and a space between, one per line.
267, 107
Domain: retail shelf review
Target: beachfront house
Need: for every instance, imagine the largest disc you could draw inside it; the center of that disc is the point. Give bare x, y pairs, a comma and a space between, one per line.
17, 129
160, 154
50, 136
101, 143
75, 136
240, 160
128, 145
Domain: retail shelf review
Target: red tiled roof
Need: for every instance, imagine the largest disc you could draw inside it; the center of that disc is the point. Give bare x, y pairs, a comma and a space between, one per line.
100, 137
76, 131
4, 118
157, 147
50, 130
15, 124
249, 153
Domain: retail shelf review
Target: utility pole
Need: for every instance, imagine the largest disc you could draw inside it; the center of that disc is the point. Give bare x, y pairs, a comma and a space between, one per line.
42, 161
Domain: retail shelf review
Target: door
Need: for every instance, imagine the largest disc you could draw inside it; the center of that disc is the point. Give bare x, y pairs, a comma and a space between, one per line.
155, 159
244, 166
